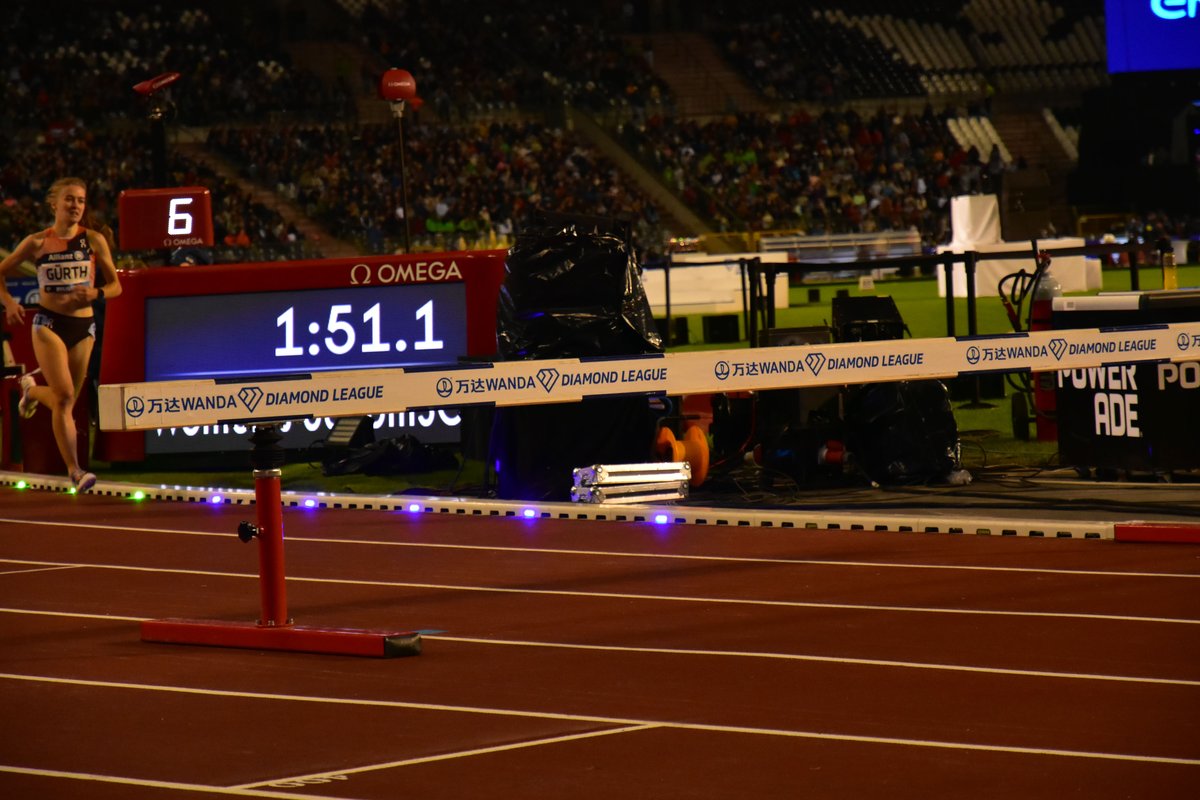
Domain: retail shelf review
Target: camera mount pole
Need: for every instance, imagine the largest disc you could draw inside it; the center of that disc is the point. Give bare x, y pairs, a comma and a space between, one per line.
398, 111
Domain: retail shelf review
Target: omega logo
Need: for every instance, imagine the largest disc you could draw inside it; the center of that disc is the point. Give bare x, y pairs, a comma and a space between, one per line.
414, 272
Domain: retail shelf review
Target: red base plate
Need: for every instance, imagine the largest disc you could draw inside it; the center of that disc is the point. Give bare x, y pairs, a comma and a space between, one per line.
295, 638
1157, 532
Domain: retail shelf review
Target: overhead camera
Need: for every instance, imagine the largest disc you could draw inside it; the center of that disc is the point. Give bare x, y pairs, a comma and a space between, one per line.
398, 86
155, 84
159, 105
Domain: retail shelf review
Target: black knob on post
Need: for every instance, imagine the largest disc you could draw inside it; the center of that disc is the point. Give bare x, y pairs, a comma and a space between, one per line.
247, 531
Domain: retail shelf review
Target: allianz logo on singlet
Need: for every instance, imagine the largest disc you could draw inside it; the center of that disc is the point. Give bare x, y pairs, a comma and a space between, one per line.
69, 255
1174, 9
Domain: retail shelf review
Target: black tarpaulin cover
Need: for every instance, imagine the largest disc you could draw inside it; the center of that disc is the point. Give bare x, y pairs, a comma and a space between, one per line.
572, 292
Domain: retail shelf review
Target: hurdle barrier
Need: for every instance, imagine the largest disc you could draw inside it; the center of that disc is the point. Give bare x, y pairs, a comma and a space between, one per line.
171, 404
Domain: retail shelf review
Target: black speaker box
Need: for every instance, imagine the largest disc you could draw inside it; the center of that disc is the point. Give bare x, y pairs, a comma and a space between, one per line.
679, 330
991, 386
721, 328
536, 447
869, 318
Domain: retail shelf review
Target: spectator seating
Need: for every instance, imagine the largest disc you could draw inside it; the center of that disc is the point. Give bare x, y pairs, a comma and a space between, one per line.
493, 141
465, 183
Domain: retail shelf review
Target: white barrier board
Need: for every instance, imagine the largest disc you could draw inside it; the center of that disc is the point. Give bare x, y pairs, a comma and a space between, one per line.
1073, 273
705, 284
170, 404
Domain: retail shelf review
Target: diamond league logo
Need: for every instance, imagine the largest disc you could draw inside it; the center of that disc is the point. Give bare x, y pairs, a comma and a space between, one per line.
250, 396
135, 407
1058, 347
548, 378
815, 362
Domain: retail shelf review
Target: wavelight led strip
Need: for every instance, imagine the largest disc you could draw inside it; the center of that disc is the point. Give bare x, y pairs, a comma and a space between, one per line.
661, 514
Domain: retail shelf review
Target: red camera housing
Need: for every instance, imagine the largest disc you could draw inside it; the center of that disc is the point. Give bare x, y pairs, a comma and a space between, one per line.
399, 86
149, 87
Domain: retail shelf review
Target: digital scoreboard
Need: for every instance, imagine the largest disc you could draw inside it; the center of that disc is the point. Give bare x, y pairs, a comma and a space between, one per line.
231, 321
311, 330
157, 219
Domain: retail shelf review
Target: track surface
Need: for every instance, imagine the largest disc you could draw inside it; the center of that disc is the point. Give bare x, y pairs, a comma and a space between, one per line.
589, 659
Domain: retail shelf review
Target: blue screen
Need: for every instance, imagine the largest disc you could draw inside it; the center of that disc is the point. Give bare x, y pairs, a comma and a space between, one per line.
314, 330
273, 333
1152, 35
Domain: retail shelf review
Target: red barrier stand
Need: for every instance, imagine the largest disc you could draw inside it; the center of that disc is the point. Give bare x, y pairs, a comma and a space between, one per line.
274, 629
1162, 532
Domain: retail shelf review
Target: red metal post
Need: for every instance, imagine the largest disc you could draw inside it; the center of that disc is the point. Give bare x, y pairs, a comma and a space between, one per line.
275, 631
271, 574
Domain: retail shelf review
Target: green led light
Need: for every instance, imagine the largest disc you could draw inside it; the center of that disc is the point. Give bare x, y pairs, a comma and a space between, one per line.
138, 495
22, 485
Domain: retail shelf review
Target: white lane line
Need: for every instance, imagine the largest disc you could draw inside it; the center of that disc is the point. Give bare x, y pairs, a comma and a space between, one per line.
98, 526
71, 614
36, 569
300, 780
865, 662
182, 787
677, 651
663, 598
620, 721
627, 554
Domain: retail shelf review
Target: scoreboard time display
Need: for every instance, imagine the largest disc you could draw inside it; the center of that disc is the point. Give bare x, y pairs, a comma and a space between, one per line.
265, 320
156, 219
311, 330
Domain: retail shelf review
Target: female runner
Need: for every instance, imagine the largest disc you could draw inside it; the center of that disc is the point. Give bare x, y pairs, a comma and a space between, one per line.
68, 257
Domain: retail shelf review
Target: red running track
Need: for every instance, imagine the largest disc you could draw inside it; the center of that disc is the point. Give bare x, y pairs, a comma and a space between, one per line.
588, 659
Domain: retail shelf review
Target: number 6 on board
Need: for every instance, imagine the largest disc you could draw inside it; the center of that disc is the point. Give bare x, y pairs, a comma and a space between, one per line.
179, 223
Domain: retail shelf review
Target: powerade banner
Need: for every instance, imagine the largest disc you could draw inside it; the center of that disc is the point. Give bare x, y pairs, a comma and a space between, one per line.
1139, 417
1152, 35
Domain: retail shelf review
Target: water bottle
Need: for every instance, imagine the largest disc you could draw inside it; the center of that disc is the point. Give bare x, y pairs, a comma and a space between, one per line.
1170, 273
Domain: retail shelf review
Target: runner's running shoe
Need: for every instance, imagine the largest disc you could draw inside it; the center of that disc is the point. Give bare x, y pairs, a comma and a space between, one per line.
83, 480
27, 405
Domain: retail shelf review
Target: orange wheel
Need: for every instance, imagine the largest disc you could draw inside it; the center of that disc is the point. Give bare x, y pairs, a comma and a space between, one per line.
667, 446
693, 449
695, 445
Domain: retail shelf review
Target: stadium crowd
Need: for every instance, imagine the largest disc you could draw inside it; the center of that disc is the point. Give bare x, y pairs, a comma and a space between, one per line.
471, 183
69, 70
492, 141
538, 55
835, 172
